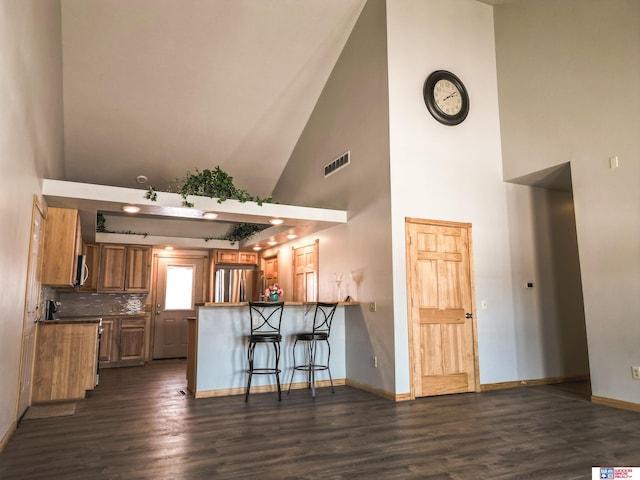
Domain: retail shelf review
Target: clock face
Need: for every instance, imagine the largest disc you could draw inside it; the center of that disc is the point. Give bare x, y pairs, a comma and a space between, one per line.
446, 97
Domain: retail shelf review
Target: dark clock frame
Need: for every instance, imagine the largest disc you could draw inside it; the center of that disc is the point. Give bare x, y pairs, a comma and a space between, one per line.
429, 98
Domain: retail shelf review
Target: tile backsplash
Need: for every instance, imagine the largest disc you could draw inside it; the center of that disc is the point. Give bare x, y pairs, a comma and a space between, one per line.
87, 304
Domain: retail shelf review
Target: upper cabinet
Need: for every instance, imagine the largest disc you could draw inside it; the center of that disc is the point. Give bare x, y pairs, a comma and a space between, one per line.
124, 268
236, 256
138, 278
62, 245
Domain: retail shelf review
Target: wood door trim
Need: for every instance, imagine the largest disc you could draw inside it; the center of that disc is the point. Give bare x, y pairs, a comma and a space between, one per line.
411, 339
36, 208
438, 223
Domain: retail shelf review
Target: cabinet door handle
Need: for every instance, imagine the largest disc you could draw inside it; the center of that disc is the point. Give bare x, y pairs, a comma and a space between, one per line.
85, 272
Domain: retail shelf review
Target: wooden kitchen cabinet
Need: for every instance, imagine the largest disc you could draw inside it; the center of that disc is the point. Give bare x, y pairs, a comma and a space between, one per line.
66, 359
132, 331
61, 247
123, 341
108, 342
138, 277
124, 268
236, 256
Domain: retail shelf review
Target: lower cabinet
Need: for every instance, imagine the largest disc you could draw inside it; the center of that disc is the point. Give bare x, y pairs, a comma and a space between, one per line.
65, 360
123, 341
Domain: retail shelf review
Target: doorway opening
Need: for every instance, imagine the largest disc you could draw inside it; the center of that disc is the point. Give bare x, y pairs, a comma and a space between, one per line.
555, 298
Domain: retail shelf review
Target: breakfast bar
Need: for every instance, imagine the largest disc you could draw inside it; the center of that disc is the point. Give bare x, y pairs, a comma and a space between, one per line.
217, 349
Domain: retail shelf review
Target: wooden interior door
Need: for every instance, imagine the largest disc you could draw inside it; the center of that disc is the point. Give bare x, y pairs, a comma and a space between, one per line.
170, 322
443, 337
305, 273
271, 270
32, 308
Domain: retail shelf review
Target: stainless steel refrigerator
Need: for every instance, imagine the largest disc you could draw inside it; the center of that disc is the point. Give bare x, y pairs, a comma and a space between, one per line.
236, 284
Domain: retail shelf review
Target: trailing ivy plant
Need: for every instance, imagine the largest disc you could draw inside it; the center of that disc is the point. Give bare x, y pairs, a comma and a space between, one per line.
241, 231
101, 223
217, 184
214, 183
101, 228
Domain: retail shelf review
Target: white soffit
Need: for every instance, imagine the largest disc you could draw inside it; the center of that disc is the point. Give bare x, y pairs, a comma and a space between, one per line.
91, 198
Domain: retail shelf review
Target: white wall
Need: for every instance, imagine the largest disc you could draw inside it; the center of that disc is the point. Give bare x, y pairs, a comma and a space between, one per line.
433, 171
567, 74
30, 148
352, 114
451, 173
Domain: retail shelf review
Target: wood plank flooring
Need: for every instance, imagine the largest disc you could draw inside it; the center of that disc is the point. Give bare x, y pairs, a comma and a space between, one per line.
138, 425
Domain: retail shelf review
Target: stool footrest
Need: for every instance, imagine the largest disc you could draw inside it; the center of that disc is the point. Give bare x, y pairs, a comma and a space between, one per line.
264, 371
306, 368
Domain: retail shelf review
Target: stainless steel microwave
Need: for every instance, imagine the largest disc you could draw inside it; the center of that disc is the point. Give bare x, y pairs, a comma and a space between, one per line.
82, 271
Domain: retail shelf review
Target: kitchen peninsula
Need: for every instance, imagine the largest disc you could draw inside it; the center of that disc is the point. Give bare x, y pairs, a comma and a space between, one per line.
217, 351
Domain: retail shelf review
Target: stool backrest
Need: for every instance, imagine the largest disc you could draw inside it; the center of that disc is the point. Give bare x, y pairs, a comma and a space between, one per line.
323, 317
265, 317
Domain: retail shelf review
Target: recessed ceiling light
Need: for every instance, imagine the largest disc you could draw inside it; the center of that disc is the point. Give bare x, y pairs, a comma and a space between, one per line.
168, 247
276, 221
210, 215
131, 209
272, 242
142, 179
291, 236
257, 248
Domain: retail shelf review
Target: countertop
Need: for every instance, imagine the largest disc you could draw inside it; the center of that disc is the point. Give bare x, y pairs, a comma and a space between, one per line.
91, 318
68, 321
244, 304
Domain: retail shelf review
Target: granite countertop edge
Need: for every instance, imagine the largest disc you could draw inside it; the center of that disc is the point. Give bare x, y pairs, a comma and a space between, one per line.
244, 304
83, 318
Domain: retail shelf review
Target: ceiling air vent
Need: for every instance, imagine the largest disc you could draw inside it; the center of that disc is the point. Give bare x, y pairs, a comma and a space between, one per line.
340, 162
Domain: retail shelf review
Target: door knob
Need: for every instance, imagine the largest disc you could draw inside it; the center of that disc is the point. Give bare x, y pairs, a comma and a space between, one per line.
468, 315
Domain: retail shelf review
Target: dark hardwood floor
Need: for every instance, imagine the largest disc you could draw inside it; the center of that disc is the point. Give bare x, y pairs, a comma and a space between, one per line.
138, 424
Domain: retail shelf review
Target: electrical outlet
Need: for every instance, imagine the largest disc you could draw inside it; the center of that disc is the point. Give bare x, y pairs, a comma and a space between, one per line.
375, 362
635, 373
372, 307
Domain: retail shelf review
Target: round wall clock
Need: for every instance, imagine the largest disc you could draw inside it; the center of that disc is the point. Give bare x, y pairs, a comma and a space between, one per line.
446, 97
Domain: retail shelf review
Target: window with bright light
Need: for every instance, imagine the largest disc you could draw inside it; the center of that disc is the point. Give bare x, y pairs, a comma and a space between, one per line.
179, 293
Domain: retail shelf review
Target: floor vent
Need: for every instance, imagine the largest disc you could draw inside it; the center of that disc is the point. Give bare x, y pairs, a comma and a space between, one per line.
340, 162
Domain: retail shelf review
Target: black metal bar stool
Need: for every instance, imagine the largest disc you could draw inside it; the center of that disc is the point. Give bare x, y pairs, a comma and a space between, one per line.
265, 318
322, 319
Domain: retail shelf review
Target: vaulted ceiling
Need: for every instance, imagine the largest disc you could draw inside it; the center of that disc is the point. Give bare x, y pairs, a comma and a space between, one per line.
159, 88
162, 87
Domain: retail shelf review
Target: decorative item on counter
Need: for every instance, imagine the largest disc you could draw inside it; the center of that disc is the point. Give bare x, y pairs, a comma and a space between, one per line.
338, 276
273, 292
356, 277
